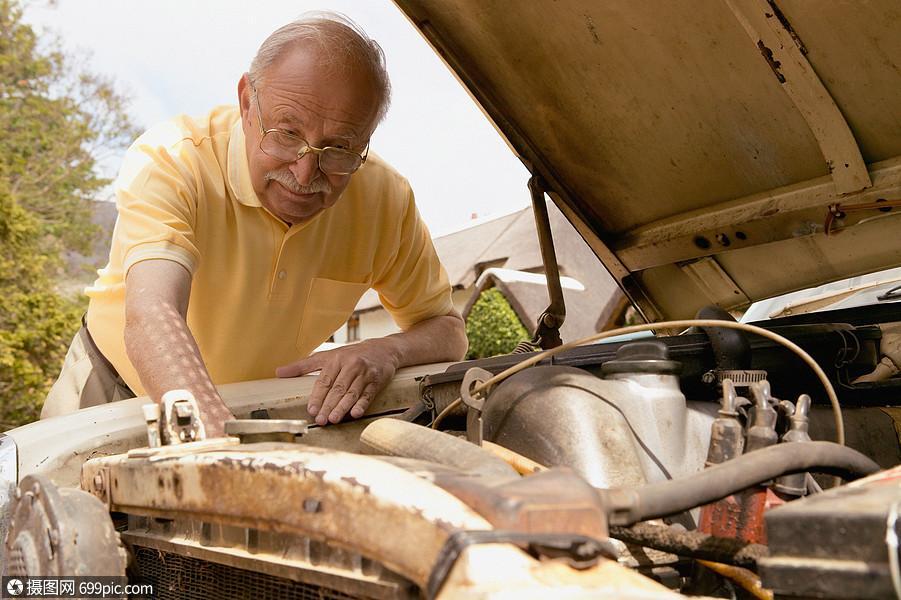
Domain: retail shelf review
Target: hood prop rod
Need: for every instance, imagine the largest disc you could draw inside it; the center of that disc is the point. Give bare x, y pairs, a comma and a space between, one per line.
547, 332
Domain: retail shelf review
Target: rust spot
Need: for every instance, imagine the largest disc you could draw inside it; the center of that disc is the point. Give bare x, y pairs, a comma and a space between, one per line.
775, 65
176, 486
723, 240
788, 26
160, 481
317, 474
353, 482
445, 525
592, 30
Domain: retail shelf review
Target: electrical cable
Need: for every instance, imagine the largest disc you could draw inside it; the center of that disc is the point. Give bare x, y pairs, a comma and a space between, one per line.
679, 324
746, 579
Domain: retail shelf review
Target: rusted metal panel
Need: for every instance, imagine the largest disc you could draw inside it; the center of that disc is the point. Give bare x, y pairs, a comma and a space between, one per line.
314, 492
780, 46
666, 135
358, 503
787, 213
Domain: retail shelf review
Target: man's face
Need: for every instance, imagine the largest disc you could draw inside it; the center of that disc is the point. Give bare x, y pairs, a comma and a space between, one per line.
324, 106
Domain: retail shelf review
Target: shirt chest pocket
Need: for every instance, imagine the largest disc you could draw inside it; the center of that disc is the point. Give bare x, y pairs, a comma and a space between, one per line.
328, 306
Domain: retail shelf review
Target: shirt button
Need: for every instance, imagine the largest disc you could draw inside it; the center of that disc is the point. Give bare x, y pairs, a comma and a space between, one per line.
282, 274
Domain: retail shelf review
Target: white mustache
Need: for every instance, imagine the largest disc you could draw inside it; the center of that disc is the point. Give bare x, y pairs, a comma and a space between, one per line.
284, 177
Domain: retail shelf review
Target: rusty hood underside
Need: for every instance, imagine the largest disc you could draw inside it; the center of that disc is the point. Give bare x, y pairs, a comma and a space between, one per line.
721, 151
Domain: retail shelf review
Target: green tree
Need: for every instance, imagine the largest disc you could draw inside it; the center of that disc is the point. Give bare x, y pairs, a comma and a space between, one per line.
57, 120
492, 326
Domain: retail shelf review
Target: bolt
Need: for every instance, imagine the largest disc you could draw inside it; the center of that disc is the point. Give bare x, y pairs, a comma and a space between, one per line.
311, 506
36, 488
98, 483
18, 494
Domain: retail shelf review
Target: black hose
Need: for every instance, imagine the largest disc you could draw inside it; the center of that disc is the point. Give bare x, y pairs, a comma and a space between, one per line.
656, 500
692, 544
731, 348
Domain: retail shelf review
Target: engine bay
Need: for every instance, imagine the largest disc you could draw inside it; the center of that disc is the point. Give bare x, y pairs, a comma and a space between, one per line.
702, 464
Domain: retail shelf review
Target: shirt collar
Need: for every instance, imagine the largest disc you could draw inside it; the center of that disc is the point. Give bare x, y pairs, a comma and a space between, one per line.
239, 169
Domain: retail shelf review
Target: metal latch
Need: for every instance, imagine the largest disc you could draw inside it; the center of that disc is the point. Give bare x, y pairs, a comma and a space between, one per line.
177, 421
475, 402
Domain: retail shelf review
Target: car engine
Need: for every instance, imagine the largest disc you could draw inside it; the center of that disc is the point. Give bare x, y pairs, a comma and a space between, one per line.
693, 464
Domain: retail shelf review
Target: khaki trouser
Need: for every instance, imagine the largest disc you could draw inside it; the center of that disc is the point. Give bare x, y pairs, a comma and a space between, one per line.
86, 379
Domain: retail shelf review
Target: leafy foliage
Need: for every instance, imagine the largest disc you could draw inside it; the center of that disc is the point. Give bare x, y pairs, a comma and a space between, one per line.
492, 326
57, 121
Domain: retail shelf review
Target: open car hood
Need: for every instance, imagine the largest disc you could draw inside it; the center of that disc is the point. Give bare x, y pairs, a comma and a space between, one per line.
722, 151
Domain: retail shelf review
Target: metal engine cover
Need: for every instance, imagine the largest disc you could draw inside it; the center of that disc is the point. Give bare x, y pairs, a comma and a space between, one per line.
60, 532
611, 432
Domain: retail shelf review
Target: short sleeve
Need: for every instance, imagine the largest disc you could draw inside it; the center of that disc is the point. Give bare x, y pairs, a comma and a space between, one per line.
156, 194
414, 285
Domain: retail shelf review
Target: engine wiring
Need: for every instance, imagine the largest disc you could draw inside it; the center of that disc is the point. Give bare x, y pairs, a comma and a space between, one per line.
678, 324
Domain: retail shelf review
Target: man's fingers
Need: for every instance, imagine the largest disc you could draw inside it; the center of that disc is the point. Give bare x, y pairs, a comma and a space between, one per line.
362, 403
355, 400
300, 367
320, 390
332, 393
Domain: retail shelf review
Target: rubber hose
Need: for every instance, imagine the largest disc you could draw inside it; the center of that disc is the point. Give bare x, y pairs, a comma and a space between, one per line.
692, 544
631, 505
731, 349
401, 438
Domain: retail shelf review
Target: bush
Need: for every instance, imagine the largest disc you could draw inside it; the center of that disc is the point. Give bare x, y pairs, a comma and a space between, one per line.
492, 326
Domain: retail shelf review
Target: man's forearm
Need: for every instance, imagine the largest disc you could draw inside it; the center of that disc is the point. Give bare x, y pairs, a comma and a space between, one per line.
165, 355
437, 339
159, 343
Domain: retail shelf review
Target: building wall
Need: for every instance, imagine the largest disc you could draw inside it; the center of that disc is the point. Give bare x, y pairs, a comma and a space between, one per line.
378, 323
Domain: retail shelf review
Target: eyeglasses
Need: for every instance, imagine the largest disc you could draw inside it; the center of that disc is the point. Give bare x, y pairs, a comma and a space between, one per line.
287, 147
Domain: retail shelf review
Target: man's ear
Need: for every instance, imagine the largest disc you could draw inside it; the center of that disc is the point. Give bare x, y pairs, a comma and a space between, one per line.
244, 97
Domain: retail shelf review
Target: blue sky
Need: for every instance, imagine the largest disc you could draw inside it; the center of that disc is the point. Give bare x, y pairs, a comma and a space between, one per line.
185, 56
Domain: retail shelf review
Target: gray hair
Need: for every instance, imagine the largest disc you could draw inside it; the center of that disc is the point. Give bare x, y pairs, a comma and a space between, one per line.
344, 44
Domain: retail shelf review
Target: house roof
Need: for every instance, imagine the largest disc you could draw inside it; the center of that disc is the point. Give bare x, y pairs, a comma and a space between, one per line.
511, 242
589, 308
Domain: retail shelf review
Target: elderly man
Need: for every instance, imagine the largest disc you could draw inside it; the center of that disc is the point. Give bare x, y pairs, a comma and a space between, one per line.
246, 237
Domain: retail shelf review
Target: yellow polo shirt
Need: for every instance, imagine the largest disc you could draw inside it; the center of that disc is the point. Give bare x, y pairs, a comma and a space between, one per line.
262, 294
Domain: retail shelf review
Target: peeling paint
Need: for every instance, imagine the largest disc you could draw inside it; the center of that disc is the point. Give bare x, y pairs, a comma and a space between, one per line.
355, 483
788, 27
592, 30
775, 65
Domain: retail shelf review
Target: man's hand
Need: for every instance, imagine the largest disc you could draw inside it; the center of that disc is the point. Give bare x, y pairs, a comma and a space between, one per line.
350, 378
353, 375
